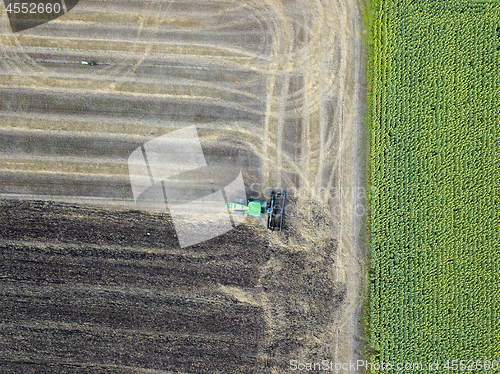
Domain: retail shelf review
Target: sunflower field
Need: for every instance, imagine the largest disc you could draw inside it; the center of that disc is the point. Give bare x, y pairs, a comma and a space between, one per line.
434, 106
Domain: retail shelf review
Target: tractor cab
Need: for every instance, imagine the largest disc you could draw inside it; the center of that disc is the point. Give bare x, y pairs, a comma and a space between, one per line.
274, 209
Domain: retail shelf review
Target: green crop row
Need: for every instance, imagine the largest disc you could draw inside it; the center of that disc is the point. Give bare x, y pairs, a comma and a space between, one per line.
435, 163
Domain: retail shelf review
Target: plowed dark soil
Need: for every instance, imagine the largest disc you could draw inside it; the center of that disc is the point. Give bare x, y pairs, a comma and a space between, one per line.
88, 290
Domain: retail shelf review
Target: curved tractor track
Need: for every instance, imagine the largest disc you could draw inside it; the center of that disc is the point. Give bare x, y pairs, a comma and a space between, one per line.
274, 89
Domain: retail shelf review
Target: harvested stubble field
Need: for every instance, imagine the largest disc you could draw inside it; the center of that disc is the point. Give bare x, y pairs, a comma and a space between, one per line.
88, 282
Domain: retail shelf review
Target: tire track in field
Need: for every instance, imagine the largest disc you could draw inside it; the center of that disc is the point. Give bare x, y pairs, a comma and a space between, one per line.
329, 61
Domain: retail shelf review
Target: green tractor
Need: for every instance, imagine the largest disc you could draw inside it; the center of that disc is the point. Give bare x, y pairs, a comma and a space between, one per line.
274, 208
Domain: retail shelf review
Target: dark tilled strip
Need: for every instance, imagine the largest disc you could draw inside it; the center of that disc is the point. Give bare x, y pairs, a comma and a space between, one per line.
85, 289
184, 353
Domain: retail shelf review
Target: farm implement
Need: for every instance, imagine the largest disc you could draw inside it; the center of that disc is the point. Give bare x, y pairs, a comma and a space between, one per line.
273, 209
